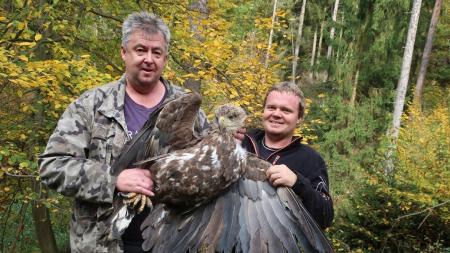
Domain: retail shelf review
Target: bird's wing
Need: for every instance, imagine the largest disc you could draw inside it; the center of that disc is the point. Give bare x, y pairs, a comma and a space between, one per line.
169, 127
254, 167
177, 120
249, 216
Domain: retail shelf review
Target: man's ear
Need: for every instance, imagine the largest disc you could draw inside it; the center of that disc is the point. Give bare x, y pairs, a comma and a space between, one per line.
123, 52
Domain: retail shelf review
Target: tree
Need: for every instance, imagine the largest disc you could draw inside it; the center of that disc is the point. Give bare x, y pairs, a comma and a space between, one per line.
427, 51
334, 17
298, 40
269, 45
406, 66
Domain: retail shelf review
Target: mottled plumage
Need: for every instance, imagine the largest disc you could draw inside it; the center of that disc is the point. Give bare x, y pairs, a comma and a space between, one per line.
188, 177
210, 194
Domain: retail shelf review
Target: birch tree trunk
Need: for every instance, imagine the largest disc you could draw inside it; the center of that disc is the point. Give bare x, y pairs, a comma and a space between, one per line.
319, 47
313, 53
340, 38
298, 40
335, 10
402, 87
269, 46
427, 51
406, 67
355, 85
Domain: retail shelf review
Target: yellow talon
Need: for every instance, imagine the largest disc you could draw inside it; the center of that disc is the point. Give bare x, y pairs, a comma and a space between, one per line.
143, 202
131, 195
136, 200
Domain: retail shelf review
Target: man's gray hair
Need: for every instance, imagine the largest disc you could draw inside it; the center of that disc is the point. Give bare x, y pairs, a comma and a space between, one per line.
145, 22
290, 87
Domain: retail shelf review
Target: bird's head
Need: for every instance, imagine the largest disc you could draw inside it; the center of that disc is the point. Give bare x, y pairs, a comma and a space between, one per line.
230, 118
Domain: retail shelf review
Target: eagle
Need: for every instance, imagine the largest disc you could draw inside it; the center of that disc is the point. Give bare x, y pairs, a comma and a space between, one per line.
210, 194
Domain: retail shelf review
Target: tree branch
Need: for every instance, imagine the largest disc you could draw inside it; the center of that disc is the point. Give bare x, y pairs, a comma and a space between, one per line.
18, 176
101, 56
429, 209
397, 220
101, 14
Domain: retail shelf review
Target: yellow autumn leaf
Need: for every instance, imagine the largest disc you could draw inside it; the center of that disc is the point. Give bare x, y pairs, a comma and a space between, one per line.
23, 58
21, 25
37, 37
26, 43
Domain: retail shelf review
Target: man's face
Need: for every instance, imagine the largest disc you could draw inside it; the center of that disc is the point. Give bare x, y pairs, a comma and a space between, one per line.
280, 115
145, 57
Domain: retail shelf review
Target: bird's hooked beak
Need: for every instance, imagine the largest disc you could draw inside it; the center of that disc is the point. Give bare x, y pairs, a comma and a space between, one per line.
222, 122
226, 124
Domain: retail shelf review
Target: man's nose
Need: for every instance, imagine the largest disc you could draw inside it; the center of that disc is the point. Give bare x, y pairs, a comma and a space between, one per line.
276, 113
148, 57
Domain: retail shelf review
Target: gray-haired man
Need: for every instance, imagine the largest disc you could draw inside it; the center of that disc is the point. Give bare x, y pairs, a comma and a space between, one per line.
93, 130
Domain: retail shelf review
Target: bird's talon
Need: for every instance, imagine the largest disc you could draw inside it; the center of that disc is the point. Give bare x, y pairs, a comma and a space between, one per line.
142, 205
136, 200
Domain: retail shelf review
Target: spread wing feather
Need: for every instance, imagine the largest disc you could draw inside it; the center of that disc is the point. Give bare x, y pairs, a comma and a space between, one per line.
318, 240
250, 216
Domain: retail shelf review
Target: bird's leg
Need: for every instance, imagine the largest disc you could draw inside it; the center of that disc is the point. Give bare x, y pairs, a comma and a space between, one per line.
134, 200
145, 201
137, 199
128, 197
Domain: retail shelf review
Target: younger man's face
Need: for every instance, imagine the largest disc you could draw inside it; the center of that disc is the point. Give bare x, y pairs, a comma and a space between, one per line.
280, 116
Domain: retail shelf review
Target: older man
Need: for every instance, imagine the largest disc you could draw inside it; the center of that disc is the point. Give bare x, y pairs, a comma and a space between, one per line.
295, 165
93, 130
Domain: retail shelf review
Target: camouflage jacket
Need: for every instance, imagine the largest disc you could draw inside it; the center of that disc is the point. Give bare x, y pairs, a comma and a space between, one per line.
77, 161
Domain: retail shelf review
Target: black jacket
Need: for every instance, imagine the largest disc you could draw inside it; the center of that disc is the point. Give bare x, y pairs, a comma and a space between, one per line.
312, 177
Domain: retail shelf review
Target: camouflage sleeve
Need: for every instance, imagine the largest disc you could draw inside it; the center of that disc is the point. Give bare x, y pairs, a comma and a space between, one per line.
65, 166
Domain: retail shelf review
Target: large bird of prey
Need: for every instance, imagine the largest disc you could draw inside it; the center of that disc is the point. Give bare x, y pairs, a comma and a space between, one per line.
210, 194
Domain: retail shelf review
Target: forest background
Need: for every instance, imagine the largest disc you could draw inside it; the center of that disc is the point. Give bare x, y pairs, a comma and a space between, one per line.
391, 191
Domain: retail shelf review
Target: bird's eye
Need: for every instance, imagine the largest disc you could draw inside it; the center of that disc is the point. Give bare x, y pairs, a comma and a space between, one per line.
232, 116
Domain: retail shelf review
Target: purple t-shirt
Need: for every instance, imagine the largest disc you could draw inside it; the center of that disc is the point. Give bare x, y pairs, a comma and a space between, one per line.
136, 115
